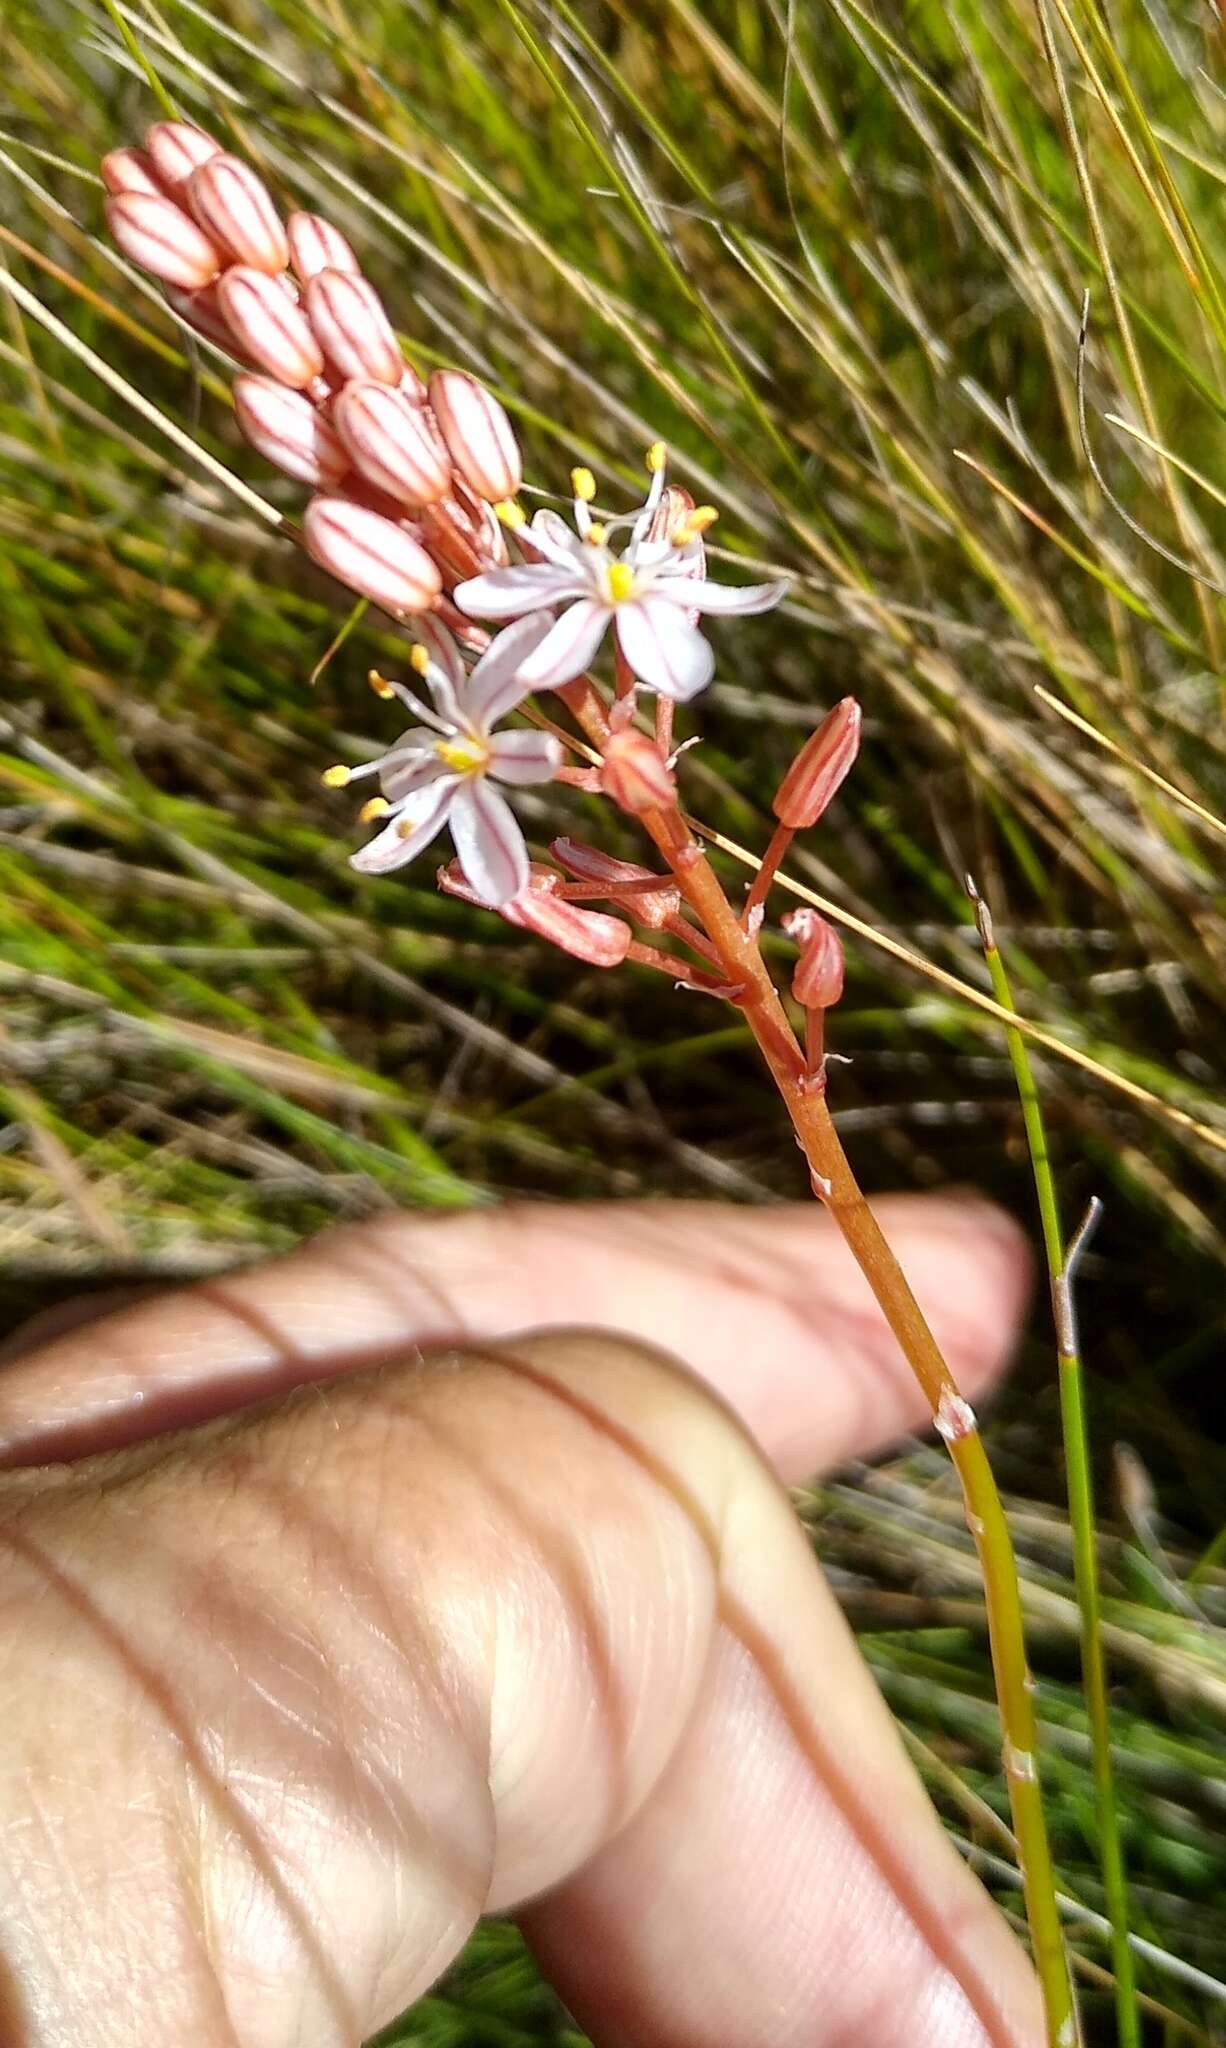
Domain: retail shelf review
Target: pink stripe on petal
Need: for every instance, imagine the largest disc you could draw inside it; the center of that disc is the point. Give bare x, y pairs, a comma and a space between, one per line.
156, 234
420, 819
479, 436
665, 652
314, 245
411, 764
510, 593
373, 555
130, 170
352, 328
236, 209
556, 541
567, 648
494, 687
489, 843
285, 428
392, 442
177, 149
273, 331
525, 757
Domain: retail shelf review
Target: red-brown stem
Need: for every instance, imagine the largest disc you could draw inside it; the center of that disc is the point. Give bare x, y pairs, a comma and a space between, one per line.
665, 709
680, 970
772, 861
815, 1046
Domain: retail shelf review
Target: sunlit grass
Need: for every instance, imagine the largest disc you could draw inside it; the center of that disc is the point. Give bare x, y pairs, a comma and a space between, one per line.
836, 256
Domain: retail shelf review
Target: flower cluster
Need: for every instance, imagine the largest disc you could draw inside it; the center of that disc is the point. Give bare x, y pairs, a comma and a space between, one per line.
414, 507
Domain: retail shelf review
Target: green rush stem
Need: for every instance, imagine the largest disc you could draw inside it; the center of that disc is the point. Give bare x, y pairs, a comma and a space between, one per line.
836, 1185
1080, 1500
138, 55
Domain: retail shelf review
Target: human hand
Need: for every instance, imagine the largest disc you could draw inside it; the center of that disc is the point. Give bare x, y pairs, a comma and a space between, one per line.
462, 1618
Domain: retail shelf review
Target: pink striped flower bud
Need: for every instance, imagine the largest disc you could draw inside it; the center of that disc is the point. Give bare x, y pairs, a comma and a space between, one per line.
393, 443
274, 332
587, 935
373, 555
130, 170
622, 881
202, 311
817, 981
236, 209
315, 245
285, 428
635, 774
822, 764
156, 234
479, 436
177, 149
352, 328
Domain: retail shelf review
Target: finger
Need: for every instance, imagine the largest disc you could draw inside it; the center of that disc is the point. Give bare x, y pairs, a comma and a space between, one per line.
767, 1304
345, 1673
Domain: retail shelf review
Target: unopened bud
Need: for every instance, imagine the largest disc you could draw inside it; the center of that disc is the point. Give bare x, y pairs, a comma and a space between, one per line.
652, 907
156, 234
289, 431
177, 149
351, 326
315, 245
587, 935
479, 436
820, 767
393, 443
130, 170
373, 555
274, 332
202, 310
635, 775
236, 209
817, 982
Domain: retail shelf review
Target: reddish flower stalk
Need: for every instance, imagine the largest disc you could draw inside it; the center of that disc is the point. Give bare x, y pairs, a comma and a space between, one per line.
416, 498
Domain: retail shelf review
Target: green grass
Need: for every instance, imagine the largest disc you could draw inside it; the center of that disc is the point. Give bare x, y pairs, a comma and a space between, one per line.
835, 256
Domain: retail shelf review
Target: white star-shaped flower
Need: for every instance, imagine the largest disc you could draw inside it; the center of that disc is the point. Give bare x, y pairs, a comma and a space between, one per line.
440, 773
650, 592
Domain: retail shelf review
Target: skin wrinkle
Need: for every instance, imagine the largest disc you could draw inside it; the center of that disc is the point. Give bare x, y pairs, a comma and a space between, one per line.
745, 1630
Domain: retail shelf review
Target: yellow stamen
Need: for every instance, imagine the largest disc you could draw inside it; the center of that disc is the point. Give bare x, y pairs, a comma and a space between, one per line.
378, 807
379, 684
621, 581
657, 456
696, 522
462, 756
335, 778
511, 513
583, 484
419, 657
596, 534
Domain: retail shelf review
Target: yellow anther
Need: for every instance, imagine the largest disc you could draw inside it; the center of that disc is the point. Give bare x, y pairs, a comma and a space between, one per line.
596, 534
511, 513
419, 657
335, 778
378, 807
697, 521
379, 684
583, 484
621, 581
462, 756
657, 456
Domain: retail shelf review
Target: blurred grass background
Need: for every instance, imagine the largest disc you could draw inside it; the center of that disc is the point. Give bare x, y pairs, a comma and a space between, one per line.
836, 257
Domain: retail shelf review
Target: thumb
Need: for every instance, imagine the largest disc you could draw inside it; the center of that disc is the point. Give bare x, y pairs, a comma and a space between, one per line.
343, 1674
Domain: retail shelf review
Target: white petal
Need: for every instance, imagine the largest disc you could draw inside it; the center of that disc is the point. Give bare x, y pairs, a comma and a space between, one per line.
443, 648
489, 843
663, 649
698, 595
508, 593
525, 756
494, 687
417, 820
410, 763
567, 648
557, 543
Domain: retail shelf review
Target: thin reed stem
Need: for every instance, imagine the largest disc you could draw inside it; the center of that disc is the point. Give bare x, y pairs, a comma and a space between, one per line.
1061, 1266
